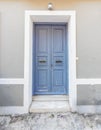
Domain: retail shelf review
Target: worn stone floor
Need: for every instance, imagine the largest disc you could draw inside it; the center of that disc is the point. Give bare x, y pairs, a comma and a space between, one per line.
51, 121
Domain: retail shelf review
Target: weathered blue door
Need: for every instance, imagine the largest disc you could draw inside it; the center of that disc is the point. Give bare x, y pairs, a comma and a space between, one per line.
50, 72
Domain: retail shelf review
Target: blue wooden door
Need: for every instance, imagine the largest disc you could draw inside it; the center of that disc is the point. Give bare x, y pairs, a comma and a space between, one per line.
50, 75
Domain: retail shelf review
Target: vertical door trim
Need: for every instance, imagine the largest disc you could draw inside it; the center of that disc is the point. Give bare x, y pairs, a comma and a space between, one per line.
50, 16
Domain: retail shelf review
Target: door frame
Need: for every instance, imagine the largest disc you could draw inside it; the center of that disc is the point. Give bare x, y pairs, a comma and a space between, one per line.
50, 16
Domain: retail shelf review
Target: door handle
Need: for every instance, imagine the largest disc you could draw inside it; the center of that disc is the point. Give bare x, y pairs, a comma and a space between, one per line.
58, 61
42, 61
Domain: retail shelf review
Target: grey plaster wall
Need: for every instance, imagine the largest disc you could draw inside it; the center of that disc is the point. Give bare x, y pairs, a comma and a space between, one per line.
11, 95
11, 41
89, 94
89, 40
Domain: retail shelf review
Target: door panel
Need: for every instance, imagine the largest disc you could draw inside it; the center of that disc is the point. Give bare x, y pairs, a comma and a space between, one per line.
50, 66
59, 60
42, 79
42, 40
58, 78
42, 71
57, 39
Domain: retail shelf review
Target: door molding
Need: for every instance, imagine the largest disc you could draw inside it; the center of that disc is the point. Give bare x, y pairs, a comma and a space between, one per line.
50, 16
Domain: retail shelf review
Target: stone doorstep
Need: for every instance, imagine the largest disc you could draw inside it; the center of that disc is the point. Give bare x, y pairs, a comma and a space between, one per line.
50, 104
51, 98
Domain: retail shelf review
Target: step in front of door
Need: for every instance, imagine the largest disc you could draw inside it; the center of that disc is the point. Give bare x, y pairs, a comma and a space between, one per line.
50, 98
49, 106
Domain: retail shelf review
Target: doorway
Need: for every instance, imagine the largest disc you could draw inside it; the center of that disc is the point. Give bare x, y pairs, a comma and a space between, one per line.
50, 64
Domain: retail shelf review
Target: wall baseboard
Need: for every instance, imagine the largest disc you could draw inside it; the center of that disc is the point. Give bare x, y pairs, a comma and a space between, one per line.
90, 81
89, 109
12, 81
13, 110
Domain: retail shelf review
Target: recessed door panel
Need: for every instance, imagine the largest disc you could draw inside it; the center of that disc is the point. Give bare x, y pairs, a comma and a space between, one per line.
42, 80
58, 78
50, 66
58, 40
42, 40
